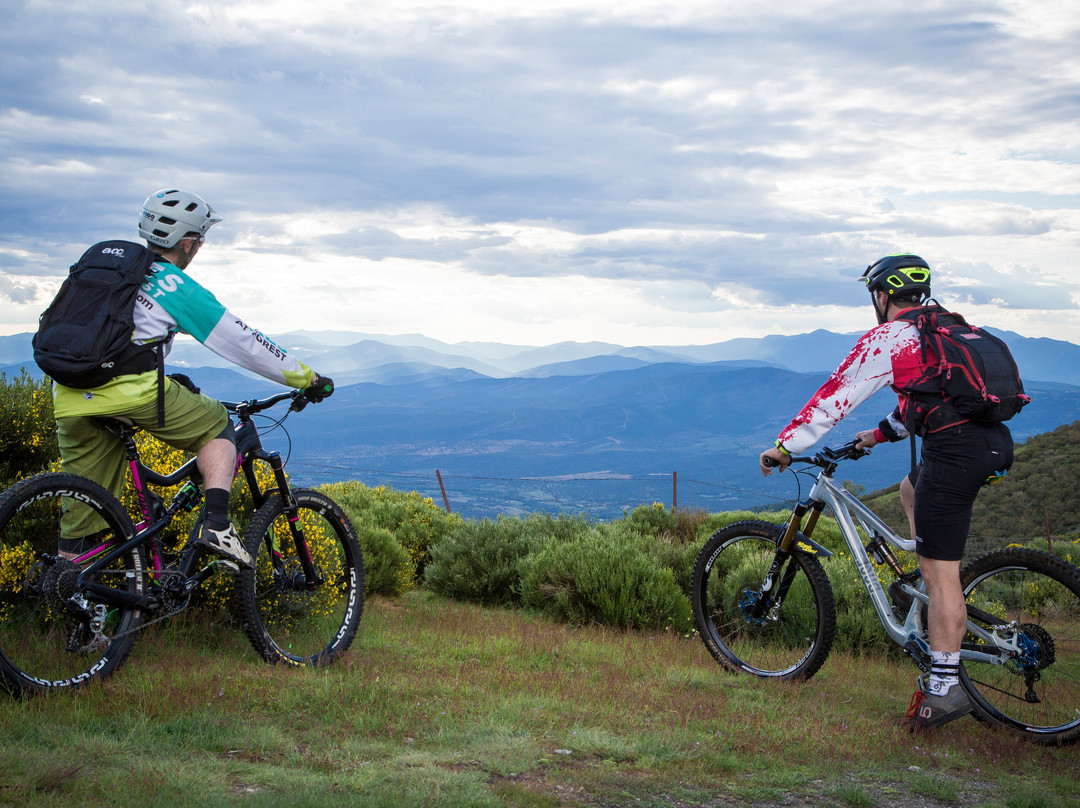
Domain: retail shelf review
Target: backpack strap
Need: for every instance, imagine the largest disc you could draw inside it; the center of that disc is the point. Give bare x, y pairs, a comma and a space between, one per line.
159, 349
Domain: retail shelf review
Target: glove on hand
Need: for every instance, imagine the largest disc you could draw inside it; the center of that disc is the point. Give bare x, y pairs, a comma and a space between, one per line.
321, 387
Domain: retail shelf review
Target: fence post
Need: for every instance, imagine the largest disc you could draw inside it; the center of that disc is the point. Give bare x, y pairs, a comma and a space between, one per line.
442, 488
674, 491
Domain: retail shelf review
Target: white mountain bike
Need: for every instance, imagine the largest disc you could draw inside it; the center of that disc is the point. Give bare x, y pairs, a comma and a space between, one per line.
764, 606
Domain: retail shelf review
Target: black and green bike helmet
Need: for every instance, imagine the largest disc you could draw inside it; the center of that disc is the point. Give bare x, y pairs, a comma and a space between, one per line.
901, 275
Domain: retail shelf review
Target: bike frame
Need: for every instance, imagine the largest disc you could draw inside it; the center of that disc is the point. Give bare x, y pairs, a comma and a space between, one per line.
249, 450
847, 510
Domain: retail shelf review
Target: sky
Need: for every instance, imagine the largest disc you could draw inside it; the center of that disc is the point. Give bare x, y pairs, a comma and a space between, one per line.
641, 173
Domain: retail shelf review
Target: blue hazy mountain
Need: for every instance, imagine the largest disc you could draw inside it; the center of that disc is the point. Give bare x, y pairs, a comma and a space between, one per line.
577, 427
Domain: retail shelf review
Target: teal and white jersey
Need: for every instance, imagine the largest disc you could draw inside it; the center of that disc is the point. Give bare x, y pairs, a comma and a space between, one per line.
170, 302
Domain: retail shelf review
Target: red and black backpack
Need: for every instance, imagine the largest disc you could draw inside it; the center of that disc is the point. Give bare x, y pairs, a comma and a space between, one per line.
970, 374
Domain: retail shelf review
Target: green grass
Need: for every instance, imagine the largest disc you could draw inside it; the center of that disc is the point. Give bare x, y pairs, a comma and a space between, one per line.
448, 704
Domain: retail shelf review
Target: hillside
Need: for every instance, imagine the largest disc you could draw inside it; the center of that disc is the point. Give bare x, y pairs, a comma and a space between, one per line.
1040, 489
581, 428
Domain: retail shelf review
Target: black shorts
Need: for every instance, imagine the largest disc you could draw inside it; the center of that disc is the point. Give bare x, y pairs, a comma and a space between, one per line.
956, 463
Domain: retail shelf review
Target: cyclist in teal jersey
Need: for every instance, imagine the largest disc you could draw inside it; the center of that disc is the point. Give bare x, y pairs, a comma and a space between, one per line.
174, 224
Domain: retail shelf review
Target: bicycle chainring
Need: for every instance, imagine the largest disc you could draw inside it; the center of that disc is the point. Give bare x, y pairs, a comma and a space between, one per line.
171, 592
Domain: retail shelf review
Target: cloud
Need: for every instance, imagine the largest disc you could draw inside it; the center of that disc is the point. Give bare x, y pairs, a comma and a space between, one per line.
699, 156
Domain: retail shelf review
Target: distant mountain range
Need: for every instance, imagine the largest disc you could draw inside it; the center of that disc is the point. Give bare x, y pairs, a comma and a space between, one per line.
574, 427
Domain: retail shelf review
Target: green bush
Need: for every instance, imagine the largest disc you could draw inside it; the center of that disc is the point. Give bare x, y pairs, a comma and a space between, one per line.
415, 521
599, 579
479, 561
27, 429
540, 527
650, 520
388, 570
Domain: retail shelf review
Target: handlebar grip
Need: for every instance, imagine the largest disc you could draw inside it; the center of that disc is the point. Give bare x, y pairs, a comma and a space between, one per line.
770, 462
299, 401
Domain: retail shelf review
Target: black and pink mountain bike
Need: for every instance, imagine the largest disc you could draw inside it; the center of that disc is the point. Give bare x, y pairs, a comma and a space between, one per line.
68, 621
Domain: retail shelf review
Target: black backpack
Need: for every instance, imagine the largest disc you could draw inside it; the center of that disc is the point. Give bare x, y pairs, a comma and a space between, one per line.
975, 377
84, 337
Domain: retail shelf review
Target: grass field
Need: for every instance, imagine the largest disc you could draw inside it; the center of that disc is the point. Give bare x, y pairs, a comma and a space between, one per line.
445, 704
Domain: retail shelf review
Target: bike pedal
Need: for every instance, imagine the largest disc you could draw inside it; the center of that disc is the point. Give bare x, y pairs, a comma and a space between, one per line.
914, 649
230, 567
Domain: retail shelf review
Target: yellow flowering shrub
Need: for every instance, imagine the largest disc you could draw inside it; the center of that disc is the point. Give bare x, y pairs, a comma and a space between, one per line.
384, 517
15, 561
27, 429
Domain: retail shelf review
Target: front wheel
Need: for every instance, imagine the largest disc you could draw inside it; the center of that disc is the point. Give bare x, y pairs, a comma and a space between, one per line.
785, 637
1032, 598
52, 636
287, 616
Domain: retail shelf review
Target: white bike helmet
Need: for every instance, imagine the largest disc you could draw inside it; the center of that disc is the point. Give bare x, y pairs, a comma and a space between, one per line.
169, 215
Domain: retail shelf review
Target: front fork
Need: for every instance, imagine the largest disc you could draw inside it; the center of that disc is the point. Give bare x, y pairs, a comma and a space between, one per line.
765, 603
292, 515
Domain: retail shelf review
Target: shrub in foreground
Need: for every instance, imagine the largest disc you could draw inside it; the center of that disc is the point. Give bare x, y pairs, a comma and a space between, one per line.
388, 570
599, 579
479, 561
415, 521
27, 430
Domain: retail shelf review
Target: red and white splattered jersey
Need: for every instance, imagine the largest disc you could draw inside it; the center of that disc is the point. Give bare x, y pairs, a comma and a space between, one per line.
888, 354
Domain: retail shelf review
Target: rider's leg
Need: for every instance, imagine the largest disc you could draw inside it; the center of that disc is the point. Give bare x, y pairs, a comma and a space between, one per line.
941, 501
907, 499
91, 451
946, 621
199, 424
217, 464
946, 612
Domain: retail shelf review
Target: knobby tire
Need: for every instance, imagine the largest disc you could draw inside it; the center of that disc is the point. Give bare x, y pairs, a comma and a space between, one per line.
285, 620
1038, 694
789, 642
46, 644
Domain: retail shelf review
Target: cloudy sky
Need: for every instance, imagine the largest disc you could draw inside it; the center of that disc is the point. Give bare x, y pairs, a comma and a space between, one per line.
640, 172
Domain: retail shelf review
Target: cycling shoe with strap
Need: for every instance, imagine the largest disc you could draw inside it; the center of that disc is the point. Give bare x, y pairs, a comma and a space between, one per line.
225, 543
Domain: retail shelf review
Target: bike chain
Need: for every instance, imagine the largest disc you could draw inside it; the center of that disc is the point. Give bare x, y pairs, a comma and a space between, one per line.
141, 626
171, 613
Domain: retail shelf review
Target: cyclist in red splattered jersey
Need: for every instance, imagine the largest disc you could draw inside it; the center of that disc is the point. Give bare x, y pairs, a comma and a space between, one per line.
958, 458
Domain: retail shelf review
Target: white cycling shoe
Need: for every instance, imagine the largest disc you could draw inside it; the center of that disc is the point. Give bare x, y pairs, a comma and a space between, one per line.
225, 543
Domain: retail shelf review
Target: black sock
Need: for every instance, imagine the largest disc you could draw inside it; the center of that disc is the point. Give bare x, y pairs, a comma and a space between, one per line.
217, 508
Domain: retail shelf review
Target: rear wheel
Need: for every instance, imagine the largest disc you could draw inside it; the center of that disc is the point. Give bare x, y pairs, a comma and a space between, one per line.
287, 617
53, 637
1034, 598
786, 640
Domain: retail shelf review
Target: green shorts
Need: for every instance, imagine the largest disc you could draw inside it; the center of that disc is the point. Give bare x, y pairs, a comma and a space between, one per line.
91, 450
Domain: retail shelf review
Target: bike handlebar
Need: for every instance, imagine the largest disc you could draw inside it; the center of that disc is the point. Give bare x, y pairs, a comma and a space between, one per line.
259, 404
829, 456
